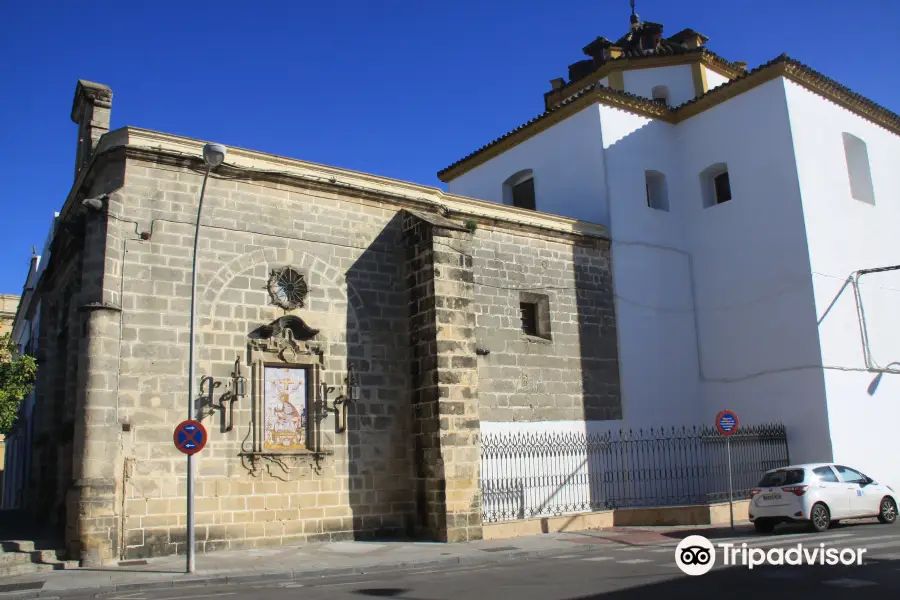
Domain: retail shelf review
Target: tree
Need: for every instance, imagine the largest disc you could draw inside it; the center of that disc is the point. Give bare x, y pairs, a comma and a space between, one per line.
17, 375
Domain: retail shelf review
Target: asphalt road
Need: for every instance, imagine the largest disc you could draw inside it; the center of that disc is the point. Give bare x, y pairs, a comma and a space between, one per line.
607, 573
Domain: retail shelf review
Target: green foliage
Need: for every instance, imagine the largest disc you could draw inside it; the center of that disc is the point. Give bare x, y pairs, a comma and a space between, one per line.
471, 225
17, 375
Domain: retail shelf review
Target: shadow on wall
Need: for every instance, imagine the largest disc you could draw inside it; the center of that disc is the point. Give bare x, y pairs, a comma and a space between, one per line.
378, 424
598, 345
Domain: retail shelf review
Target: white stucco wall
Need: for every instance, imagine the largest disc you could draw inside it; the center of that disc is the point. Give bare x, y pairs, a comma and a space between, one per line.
756, 319
713, 79
719, 307
657, 350
677, 78
846, 235
566, 164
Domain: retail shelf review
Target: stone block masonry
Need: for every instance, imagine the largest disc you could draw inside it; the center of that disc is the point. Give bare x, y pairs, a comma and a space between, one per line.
353, 265
424, 302
567, 372
446, 435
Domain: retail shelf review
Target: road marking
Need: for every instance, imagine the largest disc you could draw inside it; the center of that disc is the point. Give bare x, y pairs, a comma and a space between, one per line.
828, 539
849, 583
197, 596
633, 561
599, 558
772, 539
564, 556
896, 542
877, 537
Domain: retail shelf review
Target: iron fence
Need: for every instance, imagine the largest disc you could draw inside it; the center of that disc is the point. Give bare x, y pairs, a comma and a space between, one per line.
530, 474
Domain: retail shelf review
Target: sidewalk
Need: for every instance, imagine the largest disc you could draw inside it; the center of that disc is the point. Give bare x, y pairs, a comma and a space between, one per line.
328, 560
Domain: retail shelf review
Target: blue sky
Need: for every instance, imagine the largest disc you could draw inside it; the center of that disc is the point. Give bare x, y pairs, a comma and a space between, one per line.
398, 87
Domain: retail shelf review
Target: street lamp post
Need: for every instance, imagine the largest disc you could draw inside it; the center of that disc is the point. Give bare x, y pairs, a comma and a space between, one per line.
213, 156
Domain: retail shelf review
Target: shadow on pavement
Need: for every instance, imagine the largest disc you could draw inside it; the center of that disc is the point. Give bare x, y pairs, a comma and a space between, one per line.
876, 578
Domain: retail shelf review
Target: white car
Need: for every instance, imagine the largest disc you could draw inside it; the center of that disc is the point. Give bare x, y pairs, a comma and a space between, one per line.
820, 494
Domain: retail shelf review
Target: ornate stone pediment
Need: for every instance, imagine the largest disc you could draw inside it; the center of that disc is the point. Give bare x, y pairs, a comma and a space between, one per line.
288, 337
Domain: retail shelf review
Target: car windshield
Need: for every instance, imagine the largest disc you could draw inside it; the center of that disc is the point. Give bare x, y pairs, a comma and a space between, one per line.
780, 478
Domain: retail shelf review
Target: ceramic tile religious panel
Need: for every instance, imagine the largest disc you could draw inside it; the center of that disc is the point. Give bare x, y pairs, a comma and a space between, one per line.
286, 376
285, 407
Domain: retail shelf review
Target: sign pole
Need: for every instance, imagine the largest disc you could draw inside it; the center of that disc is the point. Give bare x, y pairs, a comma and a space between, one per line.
190, 437
730, 482
190, 462
727, 423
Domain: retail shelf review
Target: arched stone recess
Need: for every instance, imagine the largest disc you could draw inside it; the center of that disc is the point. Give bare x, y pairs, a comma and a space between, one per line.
236, 300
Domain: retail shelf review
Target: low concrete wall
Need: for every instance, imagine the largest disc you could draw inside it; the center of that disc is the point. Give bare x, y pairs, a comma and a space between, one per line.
718, 513
713, 514
538, 525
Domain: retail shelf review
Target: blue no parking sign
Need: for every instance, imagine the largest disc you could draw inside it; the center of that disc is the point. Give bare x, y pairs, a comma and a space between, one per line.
190, 437
727, 422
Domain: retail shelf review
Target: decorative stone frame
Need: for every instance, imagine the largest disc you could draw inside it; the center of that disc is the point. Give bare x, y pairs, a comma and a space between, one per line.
287, 343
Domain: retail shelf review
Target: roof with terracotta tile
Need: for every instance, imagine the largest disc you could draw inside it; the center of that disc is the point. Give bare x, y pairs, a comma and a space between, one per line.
782, 65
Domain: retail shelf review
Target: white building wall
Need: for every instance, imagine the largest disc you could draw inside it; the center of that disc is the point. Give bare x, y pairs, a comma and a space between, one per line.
657, 343
677, 78
759, 352
565, 160
713, 79
846, 235
720, 307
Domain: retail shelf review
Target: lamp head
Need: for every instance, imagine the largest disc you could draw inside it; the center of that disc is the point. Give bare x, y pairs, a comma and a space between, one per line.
214, 154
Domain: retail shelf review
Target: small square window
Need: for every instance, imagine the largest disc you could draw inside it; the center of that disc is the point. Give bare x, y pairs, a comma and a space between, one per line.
715, 184
534, 312
660, 93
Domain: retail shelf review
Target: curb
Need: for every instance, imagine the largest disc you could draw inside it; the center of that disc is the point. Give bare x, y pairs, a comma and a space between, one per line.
288, 575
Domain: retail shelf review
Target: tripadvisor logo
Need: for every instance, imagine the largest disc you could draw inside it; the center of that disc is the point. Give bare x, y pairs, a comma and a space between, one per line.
696, 555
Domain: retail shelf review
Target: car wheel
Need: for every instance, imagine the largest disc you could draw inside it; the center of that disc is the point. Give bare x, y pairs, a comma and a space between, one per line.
820, 517
888, 513
764, 526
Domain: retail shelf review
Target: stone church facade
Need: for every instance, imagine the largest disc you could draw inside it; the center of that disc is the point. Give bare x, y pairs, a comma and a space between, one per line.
405, 315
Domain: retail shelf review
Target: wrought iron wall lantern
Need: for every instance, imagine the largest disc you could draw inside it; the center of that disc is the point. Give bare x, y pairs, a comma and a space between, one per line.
238, 392
353, 384
240, 382
350, 393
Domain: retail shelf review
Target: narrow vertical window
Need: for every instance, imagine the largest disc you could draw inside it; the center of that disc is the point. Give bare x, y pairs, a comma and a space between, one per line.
723, 187
657, 196
523, 194
858, 169
528, 314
